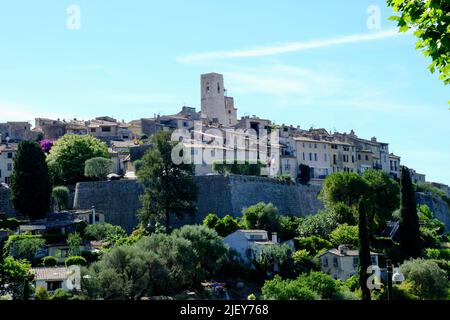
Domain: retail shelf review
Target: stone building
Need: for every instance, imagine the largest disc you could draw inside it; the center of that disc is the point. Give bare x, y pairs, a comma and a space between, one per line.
394, 166
7, 153
216, 106
16, 132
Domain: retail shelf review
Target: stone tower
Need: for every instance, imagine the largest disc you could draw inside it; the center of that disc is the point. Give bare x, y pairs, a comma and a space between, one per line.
215, 105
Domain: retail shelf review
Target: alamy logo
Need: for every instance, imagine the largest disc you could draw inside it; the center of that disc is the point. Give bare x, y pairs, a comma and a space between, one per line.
74, 17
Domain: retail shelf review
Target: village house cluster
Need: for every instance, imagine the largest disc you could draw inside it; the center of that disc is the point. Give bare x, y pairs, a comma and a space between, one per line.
324, 152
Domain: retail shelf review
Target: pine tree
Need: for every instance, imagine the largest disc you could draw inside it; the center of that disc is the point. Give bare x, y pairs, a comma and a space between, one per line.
409, 229
364, 249
30, 183
169, 187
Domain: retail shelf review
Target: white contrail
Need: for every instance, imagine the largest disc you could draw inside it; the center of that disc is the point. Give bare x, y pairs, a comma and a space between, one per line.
287, 47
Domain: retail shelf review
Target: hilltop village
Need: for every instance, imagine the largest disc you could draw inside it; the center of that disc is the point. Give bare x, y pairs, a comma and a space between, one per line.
101, 209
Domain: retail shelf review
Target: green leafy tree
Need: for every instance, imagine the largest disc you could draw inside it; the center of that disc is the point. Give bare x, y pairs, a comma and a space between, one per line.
278, 289
305, 174
289, 227
227, 225
320, 224
323, 284
274, 259
14, 276
409, 228
30, 182
23, 246
342, 213
98, 168
304, 261
74, 242
431, 24
104, 232
385, 199
427, 280
169, 187
208, 246
343, 187
314, 245
261, 216
211, 220
68, 156
61, 198
345, 234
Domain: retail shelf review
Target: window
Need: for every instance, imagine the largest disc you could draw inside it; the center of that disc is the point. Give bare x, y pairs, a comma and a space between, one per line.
353, 159
325, 157
303, 156
310, 156
303, 144
335, 262
207, 87
315, 156
334, 159
367, 157
355, 262
315, 145
106, 129
218, 87
9, 166
325, 262
10, 155
92, 129
373, 260
310, 145
53, 285
359, 157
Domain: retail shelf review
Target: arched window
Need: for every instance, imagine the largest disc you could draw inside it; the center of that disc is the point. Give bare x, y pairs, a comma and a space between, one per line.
207, 87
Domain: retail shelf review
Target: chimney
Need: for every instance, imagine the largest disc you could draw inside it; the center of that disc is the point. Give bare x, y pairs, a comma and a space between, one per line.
343, 249
374, 139
274, 237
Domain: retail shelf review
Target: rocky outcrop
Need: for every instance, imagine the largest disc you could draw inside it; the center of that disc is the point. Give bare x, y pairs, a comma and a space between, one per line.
438, 206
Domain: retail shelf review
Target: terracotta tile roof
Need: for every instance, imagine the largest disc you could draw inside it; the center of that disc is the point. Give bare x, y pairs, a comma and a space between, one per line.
57, 273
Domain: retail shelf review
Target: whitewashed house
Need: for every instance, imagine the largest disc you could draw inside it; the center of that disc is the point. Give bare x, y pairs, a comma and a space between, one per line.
249, 243
342, 263
52, 278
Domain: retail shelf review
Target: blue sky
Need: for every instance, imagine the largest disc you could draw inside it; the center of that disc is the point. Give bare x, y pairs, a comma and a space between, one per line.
295, 62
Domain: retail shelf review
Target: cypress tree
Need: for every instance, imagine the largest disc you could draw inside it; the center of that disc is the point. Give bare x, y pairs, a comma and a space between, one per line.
409, 229
30, 183
364, 250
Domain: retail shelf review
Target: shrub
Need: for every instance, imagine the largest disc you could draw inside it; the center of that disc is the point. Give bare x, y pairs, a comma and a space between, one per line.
428, 280
60, 295
323, 284
98, 168
61, 198
49, 261
278, 289
251, 297
75, 261
41, 294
